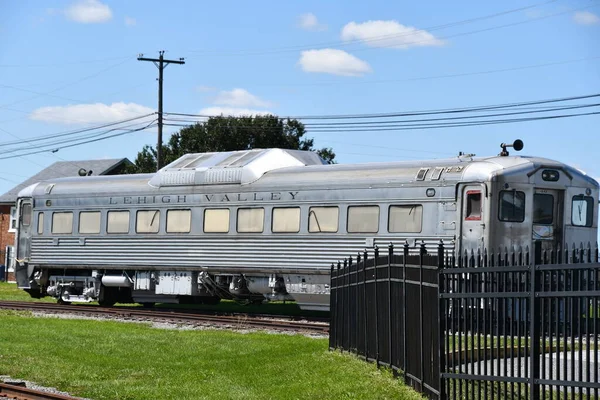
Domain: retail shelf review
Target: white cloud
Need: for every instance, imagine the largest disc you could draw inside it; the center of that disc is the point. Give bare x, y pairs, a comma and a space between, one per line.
88, 12
129, 21
388, 34
239, 98
585, 18
309, 22
89, 113
333, 61
233, 111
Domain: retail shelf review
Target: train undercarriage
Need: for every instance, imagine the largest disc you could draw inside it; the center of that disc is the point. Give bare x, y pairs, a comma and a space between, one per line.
108, 287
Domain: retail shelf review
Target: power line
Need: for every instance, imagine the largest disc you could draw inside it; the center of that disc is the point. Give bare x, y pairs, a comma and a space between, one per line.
66, 85
430, 77
371, 39
418, 112
151, 124
73, 132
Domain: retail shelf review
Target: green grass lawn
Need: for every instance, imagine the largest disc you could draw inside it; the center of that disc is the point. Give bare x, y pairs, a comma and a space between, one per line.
114, 360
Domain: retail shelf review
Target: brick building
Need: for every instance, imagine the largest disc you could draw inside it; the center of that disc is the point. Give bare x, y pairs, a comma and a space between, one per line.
60, 169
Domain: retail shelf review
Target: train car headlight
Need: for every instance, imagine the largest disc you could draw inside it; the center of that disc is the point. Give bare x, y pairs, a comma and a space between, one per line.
550, 175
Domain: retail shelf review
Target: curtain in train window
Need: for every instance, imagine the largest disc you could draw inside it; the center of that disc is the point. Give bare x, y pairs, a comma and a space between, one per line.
363, 219
582, 211
117, 222
250, 220
179, 221
408, 218
286, 219
511, 206
62, 222
216, 220
323, 219
89, 222
40, 227
147, 221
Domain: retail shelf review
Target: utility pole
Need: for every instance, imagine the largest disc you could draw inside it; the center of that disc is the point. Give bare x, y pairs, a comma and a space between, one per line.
161, 64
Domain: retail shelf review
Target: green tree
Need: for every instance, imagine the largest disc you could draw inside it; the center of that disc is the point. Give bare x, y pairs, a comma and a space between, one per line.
229, 134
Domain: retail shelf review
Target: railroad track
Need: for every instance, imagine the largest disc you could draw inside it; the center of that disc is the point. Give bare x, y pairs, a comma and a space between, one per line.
236, 321
17, 392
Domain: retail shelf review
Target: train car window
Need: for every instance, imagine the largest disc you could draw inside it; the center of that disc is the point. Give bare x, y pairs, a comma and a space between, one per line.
147, 221
323, 219
40, 227
26, 214
179, 221
511, 206
473, 205
286, 219
216, 220
363, 219
543, 208
62, 222
405, 218
89, 222
250, 220
582, 211
117, 222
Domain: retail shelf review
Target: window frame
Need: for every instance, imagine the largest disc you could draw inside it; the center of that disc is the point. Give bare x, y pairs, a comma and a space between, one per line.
515, 192
589, 220
311, 212
14, 221
285, 208
214, 209
469, 216
128, 222
52, 224
156, 210
40, 218
363, 206
405, 206
189, 210
99, 222
237, 219
533, 218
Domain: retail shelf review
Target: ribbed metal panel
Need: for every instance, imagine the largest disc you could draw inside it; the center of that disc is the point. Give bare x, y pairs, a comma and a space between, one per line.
305, 253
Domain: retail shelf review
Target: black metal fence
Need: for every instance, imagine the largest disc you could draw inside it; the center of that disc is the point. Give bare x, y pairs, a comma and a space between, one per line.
505, 324
384, 307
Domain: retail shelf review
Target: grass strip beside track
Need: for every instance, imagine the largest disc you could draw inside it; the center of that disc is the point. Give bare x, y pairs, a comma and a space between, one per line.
114, 360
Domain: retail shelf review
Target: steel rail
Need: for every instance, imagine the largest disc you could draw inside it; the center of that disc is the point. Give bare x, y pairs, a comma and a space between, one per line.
17, 392
234, 321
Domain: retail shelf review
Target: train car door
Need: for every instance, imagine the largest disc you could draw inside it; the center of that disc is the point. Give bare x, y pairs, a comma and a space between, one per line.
23, 241
548, 206
473, 217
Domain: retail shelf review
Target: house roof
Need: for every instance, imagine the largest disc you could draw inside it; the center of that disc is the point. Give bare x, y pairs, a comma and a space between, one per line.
61, 169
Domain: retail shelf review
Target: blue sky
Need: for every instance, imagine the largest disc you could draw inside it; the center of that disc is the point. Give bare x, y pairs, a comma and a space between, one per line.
71, 64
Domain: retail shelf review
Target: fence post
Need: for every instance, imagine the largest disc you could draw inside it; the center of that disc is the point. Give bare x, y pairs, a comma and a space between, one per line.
441, 322
365, 311
332, 306
534, 329
376, 253
390, 303
404, 308
422, 252
345, 300
340, 313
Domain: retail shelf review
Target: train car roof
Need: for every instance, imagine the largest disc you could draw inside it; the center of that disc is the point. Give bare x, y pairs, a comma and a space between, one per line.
271, 168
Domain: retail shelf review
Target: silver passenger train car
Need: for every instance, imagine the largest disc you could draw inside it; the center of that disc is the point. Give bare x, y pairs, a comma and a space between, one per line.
268, 223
